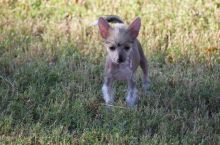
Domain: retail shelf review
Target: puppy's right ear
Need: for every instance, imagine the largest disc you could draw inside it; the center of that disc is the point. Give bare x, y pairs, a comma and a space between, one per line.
104, 27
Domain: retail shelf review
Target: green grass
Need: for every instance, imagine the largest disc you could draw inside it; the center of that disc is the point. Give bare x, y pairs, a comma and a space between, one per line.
51, 73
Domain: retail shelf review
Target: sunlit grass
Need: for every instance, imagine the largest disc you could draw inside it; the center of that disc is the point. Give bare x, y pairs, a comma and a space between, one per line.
51, 72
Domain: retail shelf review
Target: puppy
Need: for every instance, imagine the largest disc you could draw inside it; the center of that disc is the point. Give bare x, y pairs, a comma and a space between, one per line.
124, 55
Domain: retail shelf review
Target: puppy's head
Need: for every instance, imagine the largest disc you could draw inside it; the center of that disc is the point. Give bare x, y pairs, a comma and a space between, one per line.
119, 38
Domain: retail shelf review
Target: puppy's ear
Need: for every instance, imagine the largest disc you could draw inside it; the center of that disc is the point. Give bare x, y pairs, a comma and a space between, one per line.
104, 27
134, 27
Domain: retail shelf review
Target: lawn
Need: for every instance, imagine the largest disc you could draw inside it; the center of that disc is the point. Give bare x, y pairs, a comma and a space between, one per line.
51, 73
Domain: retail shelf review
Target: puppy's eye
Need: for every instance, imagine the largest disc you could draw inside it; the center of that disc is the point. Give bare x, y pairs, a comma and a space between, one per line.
112, 48
126, 47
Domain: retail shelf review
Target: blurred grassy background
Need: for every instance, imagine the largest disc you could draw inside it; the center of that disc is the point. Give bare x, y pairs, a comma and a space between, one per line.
51, 65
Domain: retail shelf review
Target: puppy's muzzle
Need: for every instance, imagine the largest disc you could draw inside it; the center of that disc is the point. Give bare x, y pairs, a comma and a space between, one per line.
120, 59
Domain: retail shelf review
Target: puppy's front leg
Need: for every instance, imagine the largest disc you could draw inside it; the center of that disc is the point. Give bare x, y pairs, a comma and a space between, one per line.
132, 98
107, 91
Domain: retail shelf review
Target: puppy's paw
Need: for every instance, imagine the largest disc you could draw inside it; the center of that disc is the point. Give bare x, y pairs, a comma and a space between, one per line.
132, 98
146, 84
107, 95
132, 103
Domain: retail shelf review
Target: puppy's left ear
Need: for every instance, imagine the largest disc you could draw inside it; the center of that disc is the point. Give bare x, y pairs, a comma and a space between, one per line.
134, 27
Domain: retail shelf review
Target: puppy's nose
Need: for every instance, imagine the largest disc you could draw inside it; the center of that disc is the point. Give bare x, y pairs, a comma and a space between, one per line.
120, 59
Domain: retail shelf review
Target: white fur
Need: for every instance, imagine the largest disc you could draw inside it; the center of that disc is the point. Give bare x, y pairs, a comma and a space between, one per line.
132, 97
107, 94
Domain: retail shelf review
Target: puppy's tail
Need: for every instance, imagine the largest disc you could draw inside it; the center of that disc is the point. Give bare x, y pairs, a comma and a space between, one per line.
113, 19
110, 19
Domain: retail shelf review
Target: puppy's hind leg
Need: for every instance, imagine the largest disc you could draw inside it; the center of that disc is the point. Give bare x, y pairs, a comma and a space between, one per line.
144, 67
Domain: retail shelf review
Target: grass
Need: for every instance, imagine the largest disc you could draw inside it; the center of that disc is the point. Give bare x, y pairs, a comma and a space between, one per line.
51, 73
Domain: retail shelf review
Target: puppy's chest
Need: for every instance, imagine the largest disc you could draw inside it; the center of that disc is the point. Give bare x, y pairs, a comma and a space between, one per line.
121, 71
